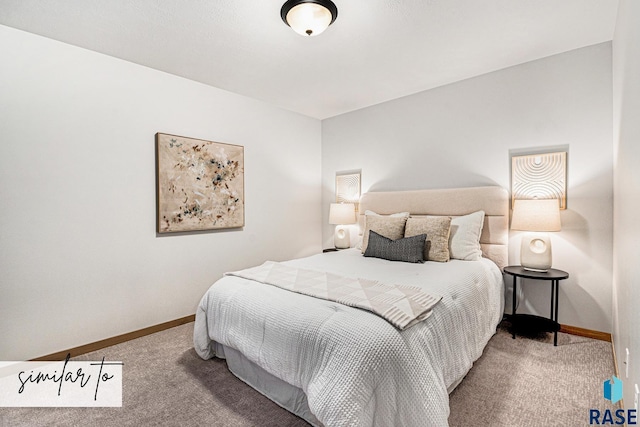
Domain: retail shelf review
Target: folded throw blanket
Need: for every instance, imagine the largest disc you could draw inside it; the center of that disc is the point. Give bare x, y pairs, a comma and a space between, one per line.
401, 305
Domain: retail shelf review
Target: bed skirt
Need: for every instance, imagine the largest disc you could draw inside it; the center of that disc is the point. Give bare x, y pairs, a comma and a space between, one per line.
280, 392
289, 397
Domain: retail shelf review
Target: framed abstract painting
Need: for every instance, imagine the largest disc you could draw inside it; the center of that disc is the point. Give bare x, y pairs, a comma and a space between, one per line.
199, 184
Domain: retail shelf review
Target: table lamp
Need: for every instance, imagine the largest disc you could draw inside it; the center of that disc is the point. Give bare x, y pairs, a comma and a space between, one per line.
341, 214
537, 216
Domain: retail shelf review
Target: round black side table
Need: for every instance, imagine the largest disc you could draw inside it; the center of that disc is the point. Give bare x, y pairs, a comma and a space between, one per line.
554, 276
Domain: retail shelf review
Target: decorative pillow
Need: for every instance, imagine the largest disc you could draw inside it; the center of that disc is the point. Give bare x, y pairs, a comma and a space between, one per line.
408, 249
387, 226
464, 241
359, 245
437, 229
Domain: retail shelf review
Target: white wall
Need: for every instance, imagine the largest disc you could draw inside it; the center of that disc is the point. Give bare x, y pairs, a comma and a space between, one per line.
79, 257
462, 134
626, 271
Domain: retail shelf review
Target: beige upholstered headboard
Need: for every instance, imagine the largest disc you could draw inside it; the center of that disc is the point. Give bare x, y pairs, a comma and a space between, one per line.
494, 201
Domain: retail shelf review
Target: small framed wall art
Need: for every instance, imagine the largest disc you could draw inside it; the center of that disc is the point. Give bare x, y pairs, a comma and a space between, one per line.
199, 184
540, 176
348, 187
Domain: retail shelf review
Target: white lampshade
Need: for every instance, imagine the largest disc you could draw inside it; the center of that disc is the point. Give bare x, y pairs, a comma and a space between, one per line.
309, 17
342, 213
536, 216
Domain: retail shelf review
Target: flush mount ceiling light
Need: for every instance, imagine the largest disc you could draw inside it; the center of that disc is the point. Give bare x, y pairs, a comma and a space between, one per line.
309, 17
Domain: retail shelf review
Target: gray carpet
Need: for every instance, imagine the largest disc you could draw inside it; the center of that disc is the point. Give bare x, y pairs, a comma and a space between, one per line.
529, 382
522, 382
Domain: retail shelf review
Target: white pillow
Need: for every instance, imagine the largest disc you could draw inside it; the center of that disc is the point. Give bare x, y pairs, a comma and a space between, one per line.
464, 240
395, 215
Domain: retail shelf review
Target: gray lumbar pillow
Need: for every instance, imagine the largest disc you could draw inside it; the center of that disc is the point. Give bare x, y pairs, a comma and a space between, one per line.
409, 249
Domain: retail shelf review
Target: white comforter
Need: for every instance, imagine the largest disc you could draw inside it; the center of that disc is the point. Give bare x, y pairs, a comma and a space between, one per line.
355, 368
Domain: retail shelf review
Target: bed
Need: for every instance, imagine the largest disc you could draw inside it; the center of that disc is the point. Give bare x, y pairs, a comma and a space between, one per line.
335, 365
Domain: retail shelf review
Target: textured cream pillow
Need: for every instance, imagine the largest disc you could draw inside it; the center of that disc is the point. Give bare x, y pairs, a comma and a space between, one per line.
464, 241
437, 229
372, 213
387, 226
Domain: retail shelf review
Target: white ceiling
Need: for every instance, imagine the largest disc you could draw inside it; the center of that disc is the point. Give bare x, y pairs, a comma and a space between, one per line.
376, 50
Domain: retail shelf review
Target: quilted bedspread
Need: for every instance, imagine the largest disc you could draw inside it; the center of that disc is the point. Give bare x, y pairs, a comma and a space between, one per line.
355, 368
401, 305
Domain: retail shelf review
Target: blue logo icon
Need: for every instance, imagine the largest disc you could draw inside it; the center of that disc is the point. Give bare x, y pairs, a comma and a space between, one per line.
613, 389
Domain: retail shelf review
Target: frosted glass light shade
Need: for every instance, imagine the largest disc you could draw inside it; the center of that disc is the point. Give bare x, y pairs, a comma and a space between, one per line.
309, 17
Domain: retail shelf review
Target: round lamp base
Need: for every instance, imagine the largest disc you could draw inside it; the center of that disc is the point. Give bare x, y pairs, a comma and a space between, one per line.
535, 252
